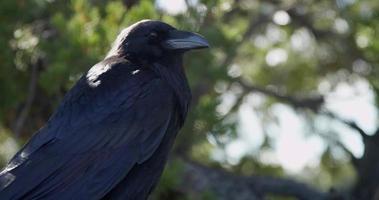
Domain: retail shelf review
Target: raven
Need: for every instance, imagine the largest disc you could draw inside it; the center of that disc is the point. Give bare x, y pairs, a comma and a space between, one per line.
111, 135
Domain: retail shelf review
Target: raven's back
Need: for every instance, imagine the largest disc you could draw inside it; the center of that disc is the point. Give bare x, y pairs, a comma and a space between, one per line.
100, 140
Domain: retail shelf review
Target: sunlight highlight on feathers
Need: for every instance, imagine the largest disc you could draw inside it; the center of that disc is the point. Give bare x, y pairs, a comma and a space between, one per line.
117, 44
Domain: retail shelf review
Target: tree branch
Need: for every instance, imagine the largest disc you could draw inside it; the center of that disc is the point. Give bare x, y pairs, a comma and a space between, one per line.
313, 103
284, 187
337, 142
20, 121
349, 123
226, 185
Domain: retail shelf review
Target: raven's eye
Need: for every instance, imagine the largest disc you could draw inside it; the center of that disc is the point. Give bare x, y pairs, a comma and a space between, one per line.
153, 36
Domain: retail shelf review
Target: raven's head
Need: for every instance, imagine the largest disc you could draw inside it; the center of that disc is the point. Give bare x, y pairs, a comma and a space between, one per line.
148, 41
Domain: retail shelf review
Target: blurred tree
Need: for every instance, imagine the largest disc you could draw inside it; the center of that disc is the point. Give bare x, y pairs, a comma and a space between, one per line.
289, 53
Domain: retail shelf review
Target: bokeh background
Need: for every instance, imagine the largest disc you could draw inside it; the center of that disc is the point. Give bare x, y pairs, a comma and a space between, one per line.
284, 103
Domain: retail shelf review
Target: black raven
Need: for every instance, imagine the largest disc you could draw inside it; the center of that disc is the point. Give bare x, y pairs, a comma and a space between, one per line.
110, 136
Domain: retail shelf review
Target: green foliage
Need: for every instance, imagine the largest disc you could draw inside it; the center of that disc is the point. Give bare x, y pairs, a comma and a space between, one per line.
71, 36
169, 180
252, 166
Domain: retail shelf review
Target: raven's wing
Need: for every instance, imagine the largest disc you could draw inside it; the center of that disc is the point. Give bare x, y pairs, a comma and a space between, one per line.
115, 117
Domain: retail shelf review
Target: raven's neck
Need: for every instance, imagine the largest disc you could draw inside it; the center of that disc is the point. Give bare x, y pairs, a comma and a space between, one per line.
172, 71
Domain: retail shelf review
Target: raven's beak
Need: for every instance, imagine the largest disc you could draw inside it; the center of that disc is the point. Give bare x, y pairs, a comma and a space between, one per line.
183, 40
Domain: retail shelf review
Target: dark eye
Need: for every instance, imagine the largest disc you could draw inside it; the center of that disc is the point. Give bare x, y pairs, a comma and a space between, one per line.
153, 36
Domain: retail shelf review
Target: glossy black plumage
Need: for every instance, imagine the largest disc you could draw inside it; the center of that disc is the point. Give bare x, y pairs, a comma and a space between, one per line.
110, 137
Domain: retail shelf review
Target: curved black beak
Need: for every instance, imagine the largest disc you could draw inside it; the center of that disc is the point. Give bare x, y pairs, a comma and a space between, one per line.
183, 40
